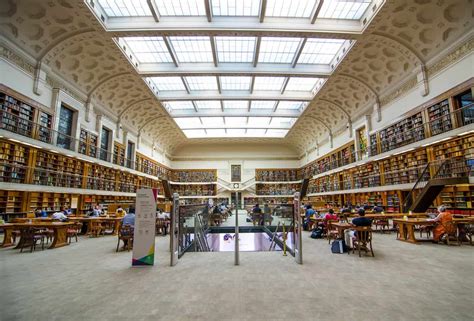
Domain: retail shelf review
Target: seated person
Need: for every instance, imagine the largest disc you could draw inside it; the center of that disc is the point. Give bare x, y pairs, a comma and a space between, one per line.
129, 218
358, 221
328, 216
120, 212
59, 216
377, 209
39, 212
65, 211
96, 211
443, 217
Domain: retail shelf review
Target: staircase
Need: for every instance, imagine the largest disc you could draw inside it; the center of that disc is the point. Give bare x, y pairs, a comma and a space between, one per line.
446, 172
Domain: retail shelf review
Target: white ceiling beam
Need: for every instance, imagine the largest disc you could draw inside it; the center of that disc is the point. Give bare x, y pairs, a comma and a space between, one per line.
186, 85
256, 52
298, 52
235, 26
170, 48
154, 10
238, 127
214, 51
234, 95
285, 83
234, 69
195, 107
262, 10
316, 11
207, 5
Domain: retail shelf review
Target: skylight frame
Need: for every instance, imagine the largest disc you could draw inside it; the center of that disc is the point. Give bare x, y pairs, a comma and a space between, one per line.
235, 104
291, 105
235, 49
178, 105
278, 50
181, 8
192, 49
208, 104
148, 49
263, 104
305, 84
130, 8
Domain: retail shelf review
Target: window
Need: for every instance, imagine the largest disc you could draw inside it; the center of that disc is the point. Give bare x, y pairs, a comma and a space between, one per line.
125, 8
465, 101
178, 105
236, 173
208, 104
188, 122
302, 84
294, 105
181, 7
130, 153
66, 118
263, 104
320, 51
348, 9
202, 83
236, 104
104, 144
167, 83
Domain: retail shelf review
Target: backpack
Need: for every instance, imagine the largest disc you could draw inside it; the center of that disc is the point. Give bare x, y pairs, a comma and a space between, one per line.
338, 246
317, 234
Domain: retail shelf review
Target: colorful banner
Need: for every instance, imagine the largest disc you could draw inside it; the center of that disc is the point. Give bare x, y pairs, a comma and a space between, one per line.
145, 222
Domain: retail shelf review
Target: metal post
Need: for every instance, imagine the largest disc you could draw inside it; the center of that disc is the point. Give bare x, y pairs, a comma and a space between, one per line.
298, 229
236, 239
174, 231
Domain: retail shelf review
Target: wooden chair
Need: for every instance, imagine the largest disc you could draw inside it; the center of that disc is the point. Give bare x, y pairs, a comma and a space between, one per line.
382, 223
95, 229
451, 232
332, 233
161, 226
427, 229
73, 231
362, 239
30, 237
126, 235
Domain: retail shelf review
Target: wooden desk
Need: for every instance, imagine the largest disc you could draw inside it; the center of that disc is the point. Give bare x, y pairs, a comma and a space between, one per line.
59, 228
407, 228
86, 219
341, 227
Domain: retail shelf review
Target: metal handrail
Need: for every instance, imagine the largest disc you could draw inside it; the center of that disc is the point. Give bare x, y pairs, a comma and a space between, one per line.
410, 198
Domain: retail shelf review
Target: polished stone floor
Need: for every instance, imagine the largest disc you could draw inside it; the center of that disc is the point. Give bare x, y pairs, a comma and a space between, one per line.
88, 280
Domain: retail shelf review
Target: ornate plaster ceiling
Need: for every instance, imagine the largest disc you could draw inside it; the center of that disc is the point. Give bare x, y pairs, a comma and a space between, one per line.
65, 36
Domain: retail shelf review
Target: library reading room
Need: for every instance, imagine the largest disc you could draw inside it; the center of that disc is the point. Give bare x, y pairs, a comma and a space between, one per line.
236, 160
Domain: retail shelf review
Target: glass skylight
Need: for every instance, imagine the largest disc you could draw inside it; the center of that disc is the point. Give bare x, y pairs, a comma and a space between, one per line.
301, 84
276, 133
259, 121
235, 49
195, 133
177, 105
252, 132
167, 83
235, 132
202, 82
282, 122
216, 132
180, 7
192, 49
347, 9
236, 121
235, 7
125, 8
213, 121
188, 122
320, 51
148, 49
208, 104
236, 104
290, 8
235, 83
263, 104
268, 83
293, 105
278, 50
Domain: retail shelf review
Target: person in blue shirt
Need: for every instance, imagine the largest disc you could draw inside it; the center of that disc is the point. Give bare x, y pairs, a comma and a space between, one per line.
129, 218
308, 213
358, 221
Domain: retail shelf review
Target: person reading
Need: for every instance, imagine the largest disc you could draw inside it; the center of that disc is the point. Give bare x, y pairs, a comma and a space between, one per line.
358, 221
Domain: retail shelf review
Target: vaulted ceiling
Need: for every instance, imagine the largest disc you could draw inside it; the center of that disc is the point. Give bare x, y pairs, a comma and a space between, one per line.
67, 38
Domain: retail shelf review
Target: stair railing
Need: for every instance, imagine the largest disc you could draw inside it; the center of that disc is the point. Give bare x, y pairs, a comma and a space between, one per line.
420, 183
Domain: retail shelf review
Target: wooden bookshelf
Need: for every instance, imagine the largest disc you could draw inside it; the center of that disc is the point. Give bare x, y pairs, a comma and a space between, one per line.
404, 168
277, 175
277, 189
119, 154
251, 201
13, 162
340, 157
402, 133
195, 189
11, 201
148, 166
87, 143
439, 116
194, 175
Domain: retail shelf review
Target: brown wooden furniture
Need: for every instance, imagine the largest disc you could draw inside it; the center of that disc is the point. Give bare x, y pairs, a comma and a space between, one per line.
332, 232
126, 235
162, 225
85, 219
73, 231
407, 228
95, 228
362, 240
451, 231
30, 237
59, 228
341, 227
